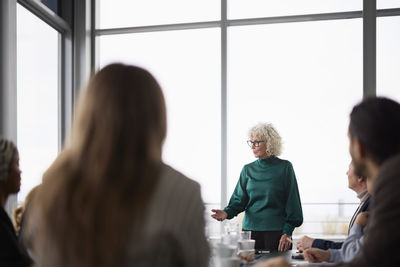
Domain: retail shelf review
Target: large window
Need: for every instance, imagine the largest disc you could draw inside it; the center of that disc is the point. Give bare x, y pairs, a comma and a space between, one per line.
186, 64
387, 4
127, 13
388, 57
37, 97
301, 71
238, 9
304, 79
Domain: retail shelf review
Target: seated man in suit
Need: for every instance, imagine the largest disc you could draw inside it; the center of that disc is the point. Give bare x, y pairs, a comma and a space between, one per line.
359, 185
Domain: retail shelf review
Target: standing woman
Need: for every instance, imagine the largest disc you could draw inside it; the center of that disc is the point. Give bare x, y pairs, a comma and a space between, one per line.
267, 192
11, 254
108, 200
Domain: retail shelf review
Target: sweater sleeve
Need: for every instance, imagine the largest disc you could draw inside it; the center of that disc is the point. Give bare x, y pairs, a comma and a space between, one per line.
294, 212
239, 198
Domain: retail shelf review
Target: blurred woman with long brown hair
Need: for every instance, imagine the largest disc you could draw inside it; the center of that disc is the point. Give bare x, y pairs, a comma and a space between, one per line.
108, 200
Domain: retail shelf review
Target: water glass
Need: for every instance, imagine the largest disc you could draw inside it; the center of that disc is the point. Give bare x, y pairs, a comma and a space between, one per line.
245, 235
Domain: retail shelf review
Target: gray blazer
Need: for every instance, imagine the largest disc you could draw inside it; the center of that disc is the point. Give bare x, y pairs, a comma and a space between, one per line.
173, 232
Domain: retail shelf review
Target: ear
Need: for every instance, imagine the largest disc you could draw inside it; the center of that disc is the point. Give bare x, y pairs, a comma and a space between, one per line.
361, 180
358, 148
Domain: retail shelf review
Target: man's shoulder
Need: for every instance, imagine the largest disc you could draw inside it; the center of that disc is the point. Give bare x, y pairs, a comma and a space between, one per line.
387, 182
390, 168
391, 164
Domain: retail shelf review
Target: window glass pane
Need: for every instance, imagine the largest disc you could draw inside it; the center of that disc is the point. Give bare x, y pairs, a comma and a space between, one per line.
187, 66
260, 8
128, 13
304, 78
37, 97
381, 4
388, 57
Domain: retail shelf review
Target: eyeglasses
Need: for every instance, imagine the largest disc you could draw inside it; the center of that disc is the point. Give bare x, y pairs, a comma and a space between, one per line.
254, 143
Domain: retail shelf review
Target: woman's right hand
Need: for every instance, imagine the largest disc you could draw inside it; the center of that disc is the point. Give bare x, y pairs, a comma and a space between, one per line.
219, 215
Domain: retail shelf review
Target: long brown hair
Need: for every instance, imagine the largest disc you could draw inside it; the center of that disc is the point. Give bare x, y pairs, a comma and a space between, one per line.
97, 191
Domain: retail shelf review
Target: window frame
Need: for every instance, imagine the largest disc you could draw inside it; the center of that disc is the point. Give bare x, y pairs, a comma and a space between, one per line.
74, 62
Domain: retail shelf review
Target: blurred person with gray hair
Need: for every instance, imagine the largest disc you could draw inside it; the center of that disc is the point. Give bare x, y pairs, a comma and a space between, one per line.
267, 192
359, 185
10, 181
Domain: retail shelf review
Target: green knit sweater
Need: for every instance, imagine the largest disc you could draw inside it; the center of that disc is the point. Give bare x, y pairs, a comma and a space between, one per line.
267, 192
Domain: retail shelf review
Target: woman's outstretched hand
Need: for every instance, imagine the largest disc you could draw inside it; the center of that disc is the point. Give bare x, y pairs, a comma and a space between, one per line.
219, 215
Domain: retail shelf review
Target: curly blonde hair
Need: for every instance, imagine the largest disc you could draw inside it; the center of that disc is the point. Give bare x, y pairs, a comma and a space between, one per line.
267, 133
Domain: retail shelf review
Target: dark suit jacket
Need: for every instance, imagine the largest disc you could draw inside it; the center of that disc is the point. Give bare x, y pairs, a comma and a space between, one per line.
10, 252
327, 244
382, 236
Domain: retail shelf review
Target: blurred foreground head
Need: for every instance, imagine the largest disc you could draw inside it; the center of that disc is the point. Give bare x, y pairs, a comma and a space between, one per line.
7, 153
122, 111
10, 174
95, 194
374, 132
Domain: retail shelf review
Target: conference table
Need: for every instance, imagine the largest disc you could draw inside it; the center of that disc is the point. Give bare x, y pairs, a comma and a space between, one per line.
287, 255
